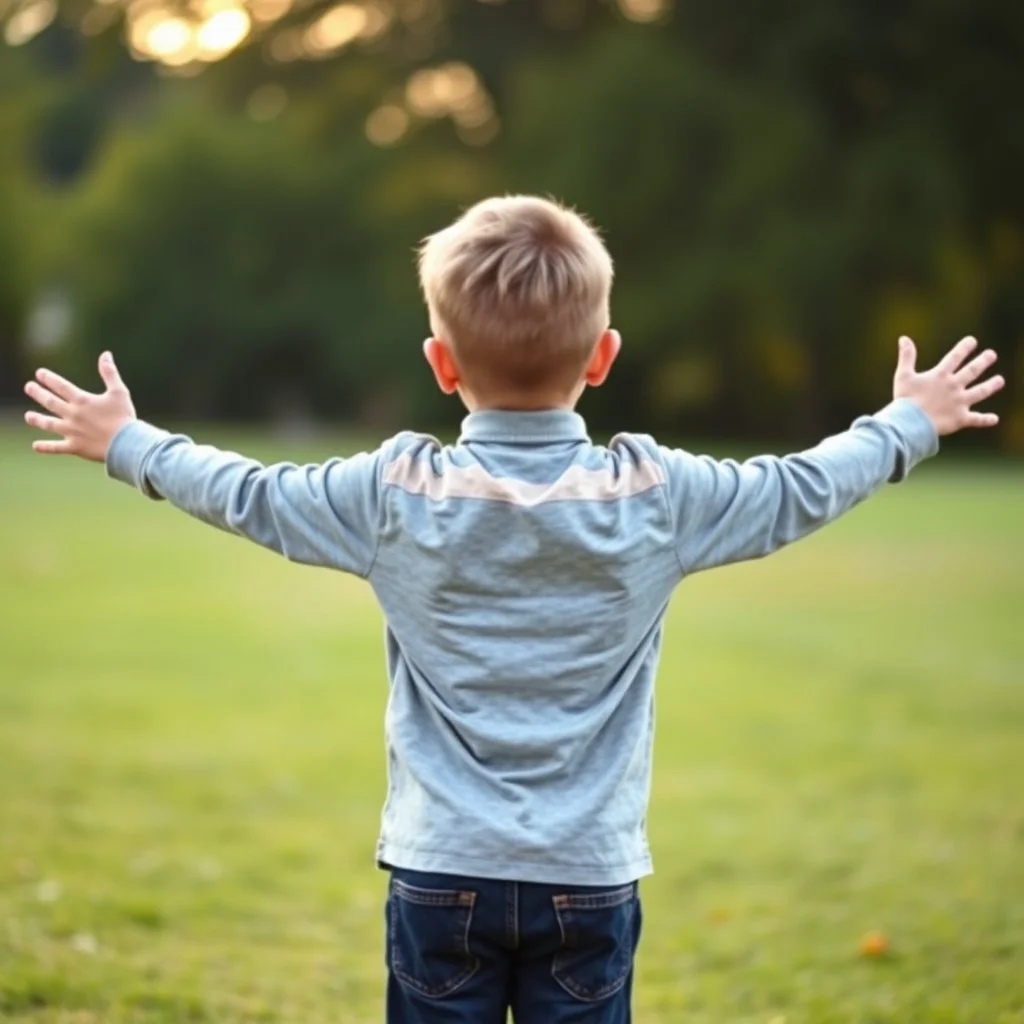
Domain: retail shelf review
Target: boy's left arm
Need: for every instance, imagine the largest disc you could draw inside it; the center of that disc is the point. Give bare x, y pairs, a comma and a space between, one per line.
727, 511
324, 514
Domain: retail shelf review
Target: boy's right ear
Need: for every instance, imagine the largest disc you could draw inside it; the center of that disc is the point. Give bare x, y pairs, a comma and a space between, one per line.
439, 356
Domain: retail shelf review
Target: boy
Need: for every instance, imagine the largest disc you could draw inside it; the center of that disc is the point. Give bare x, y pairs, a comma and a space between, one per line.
524, 575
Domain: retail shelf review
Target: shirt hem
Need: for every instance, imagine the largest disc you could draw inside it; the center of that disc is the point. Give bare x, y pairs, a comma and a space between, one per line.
546, 873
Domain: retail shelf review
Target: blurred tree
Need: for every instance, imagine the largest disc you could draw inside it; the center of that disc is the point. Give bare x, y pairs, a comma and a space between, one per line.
772, 191
784, 190
236, 275
16, 254
206, 255
14, 295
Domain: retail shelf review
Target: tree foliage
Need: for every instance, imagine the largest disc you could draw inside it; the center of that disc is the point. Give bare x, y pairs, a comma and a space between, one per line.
784, 192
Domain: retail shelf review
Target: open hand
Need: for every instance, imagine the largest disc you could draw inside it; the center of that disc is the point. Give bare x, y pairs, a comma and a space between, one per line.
947, 392
86, 422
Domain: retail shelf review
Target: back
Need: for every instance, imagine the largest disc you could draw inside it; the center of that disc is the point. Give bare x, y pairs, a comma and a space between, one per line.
524, 574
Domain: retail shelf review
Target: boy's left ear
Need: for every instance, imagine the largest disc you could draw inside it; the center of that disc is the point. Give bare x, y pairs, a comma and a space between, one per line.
605, 352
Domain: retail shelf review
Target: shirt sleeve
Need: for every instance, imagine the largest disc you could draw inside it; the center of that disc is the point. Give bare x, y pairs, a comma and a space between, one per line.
727, 511
325, 515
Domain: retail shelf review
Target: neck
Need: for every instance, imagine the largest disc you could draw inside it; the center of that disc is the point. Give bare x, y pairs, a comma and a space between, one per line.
520, 403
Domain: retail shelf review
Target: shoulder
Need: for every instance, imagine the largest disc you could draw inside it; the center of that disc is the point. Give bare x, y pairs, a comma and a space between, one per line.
406, 456
410, 444
638, 449
635, 445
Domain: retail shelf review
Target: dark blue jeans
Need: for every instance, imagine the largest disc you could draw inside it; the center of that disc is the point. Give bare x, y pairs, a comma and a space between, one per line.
468, 950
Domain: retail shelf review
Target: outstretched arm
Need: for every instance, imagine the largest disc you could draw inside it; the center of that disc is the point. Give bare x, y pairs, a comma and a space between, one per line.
728, 512
323, 514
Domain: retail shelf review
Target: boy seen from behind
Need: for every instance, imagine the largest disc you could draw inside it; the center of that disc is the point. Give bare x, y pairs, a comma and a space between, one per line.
524, 573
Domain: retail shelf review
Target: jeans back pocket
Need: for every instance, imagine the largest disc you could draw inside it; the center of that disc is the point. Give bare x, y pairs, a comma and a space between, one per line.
599, 938
428, 941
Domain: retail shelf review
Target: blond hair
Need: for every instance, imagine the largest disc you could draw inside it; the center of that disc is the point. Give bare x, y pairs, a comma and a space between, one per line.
519, 287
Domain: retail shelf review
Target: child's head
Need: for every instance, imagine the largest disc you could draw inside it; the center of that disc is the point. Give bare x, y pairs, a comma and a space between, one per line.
518, 291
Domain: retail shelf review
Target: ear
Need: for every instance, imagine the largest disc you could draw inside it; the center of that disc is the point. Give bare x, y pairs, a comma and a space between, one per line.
605, 351
441, 361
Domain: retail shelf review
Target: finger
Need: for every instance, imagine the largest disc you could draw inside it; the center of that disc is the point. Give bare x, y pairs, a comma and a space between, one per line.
986, 389
976, 367
908, 356
48, 423
109, 373
981, 419
47, 399
57, 384
53, 447
957, 354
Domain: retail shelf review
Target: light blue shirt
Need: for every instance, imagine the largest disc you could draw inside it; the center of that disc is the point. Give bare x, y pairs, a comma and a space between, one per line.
524, 574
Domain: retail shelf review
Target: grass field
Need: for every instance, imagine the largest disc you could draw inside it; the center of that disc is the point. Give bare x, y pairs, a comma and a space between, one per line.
191, 769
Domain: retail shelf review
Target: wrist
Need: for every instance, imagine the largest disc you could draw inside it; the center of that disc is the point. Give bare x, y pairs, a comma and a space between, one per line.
112, 433
922, 406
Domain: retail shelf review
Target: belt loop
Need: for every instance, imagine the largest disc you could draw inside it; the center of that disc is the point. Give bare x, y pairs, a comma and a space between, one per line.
512, 914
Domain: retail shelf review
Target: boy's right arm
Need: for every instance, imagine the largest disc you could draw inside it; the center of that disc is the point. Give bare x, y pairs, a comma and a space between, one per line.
728, 512
326, 514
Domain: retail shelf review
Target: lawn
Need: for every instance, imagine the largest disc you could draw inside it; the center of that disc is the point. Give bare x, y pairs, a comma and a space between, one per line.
191, 769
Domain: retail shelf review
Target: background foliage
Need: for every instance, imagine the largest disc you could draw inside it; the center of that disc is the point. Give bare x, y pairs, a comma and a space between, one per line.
233, 205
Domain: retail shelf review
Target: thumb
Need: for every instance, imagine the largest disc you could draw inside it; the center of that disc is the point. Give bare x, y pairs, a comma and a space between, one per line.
908, 356
108, 372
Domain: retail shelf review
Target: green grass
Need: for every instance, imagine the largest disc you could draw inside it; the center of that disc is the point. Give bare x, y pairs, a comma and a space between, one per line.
191, 769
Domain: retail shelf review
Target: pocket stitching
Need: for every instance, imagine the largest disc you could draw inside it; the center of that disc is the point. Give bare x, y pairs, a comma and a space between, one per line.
600, 901
452, 899
595, 901
434, 897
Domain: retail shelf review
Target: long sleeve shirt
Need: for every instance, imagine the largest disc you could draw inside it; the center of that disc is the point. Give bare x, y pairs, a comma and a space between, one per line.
524, 573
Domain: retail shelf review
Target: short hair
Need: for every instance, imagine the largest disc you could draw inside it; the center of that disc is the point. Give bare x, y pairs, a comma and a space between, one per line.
519, 286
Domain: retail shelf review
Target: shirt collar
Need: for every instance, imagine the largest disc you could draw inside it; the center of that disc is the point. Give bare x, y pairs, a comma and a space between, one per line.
508, 427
